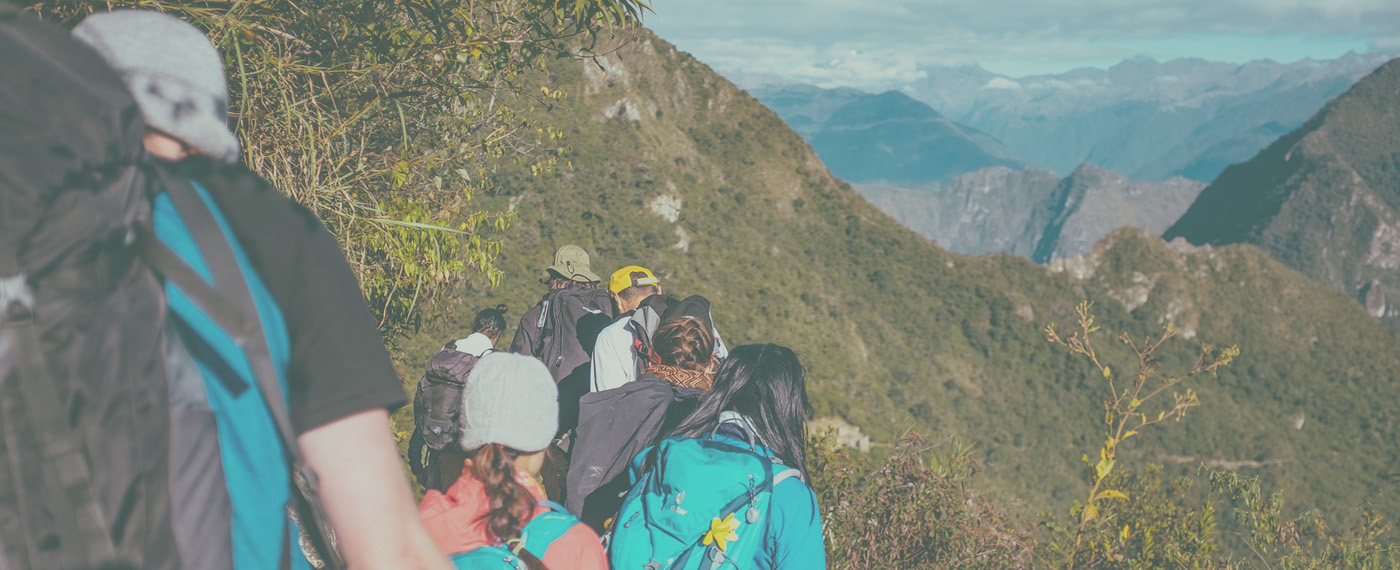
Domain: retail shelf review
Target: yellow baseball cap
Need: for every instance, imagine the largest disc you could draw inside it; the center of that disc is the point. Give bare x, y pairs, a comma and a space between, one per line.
632, 276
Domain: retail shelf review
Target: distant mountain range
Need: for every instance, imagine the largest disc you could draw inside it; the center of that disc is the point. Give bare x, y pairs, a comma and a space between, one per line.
1324, 200
1146, 119
889, 136
1033, 213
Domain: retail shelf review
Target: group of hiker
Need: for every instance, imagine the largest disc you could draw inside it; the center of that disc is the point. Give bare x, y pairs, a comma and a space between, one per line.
190, 377
625, 404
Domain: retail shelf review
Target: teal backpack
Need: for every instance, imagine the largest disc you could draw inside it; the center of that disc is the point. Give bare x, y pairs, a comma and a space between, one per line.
535, 538
701, 504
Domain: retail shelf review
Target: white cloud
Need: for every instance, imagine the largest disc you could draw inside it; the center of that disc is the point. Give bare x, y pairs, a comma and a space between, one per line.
1001, 83
878, 44
1390, 44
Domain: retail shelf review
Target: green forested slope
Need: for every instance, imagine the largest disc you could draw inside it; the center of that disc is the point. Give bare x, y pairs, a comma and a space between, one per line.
1324, 199
674, 168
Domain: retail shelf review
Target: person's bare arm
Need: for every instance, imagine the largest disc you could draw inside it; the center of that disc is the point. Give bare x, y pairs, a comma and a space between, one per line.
366, 495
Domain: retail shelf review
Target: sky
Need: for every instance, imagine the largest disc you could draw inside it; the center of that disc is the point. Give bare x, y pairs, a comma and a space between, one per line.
886, 44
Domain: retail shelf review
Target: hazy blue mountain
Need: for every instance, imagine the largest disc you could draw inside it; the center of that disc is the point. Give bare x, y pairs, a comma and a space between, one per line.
889, 136
1147, 119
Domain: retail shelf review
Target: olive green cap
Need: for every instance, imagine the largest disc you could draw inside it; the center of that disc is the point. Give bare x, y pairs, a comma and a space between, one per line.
571, 262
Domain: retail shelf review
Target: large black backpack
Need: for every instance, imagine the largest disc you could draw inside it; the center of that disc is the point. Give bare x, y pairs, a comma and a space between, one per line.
437, 403
70, 194
570, 320
434, 454
88, 370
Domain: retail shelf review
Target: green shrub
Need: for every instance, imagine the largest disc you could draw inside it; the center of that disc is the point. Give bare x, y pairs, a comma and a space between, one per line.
899, 512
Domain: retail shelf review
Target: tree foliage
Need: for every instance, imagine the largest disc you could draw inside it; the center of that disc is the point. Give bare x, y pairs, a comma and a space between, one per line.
386, 117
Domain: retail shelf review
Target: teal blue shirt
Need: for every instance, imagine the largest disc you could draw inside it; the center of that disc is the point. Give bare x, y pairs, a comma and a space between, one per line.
254, 459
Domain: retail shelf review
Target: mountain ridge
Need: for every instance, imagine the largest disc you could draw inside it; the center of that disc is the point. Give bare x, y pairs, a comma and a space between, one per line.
1146, 119
863, 137
900, 334
1324, 199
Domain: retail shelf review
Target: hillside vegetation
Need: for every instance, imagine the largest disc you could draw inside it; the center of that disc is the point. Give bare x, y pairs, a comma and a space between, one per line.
670, 166
1324, 199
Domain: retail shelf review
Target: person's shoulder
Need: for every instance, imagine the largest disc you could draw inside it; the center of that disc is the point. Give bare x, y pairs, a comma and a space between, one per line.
795, 499
579, 547
251, 198
795, 485
617, 328
433, 504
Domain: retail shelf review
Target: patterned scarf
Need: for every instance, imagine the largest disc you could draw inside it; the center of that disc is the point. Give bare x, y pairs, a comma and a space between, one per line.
681, 377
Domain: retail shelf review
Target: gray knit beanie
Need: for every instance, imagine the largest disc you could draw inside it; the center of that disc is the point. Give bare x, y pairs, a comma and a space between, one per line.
509, 399
173, 72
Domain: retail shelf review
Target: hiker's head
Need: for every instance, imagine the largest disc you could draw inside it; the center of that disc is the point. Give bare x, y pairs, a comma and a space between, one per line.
510, 410
174, 74
632, 284
511, 400
765, 383
490, 322
570, 269
684, 342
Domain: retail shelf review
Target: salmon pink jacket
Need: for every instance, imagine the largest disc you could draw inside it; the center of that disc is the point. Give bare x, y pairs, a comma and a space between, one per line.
454, 520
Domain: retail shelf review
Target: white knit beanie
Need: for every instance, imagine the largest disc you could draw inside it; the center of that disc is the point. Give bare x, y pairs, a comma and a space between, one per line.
173, 72
509, 399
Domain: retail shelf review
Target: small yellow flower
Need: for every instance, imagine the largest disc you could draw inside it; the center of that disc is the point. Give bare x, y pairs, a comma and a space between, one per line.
722, 531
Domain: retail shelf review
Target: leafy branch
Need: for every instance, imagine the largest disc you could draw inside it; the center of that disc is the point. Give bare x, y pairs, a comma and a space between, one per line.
1131, 406
387, 117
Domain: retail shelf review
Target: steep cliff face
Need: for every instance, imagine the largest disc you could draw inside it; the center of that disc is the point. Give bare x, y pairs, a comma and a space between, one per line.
1032, 213
1092, 202
986, 211
1323, 199
669, 166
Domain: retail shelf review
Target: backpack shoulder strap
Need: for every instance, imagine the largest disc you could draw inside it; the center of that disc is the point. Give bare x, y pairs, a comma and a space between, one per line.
234, 309
786, 474
544, 313
546, 528
231, 305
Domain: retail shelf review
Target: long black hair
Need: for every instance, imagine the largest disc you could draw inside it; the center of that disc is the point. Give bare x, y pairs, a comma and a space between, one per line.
766, 383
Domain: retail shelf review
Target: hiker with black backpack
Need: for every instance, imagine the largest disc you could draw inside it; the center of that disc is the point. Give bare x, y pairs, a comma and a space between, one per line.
615, 353
187, 355
433, 453
617, 424
727, 489
570, 271
496, 515
561, 328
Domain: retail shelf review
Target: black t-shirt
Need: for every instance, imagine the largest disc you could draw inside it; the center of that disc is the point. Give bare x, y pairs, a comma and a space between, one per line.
338, 366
